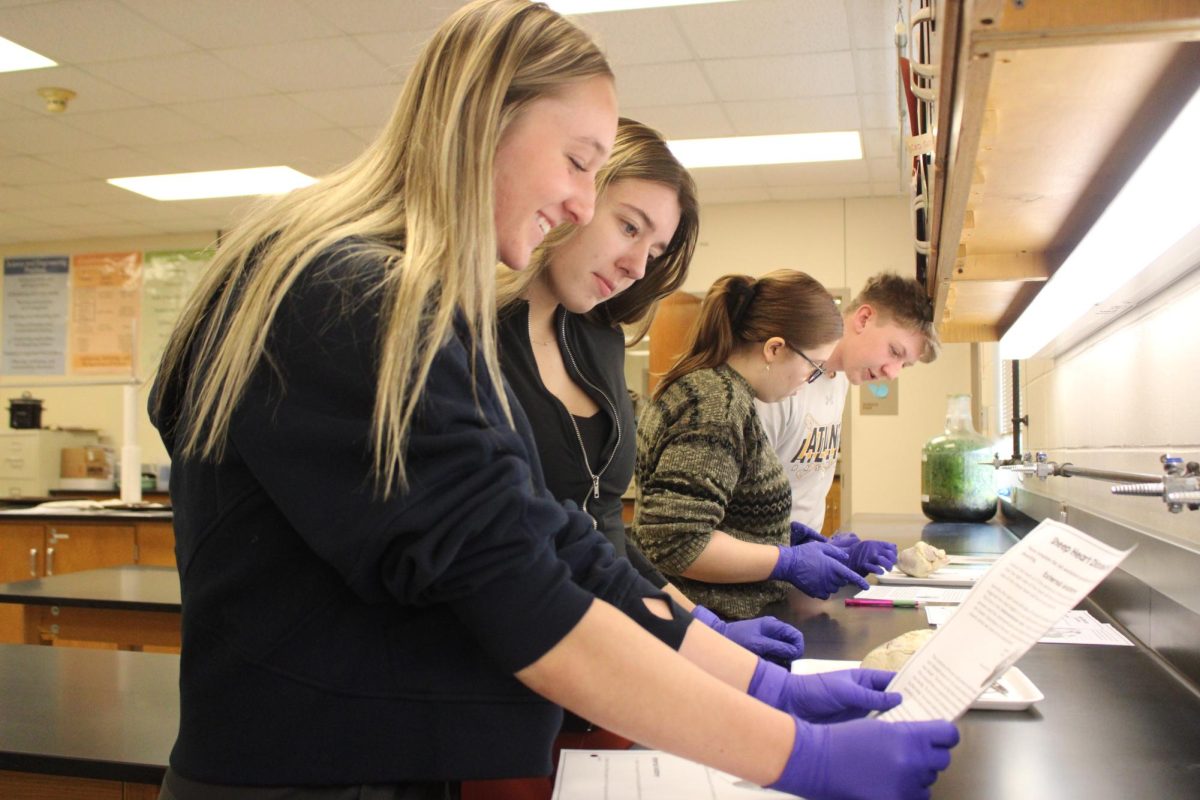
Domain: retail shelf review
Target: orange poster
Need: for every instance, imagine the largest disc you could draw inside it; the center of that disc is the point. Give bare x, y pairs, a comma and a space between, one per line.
105, 300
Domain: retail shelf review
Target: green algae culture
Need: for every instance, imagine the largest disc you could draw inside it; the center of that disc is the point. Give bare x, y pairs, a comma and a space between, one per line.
957, 483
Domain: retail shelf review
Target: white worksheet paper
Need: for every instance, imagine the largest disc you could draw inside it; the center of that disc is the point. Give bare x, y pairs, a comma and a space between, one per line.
647, 775
1075, 627
1020, 599
925, 595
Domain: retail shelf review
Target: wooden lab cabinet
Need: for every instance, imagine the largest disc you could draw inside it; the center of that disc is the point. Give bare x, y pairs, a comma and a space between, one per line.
33, 549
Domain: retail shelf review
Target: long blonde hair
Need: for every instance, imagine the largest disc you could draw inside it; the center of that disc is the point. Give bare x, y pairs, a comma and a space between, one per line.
740, 310
421, 198
640, 153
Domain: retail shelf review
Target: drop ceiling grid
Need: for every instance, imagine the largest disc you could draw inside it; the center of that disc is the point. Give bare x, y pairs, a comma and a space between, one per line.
178, 85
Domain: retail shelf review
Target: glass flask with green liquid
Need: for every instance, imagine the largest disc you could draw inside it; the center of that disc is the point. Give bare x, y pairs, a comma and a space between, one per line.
958, 484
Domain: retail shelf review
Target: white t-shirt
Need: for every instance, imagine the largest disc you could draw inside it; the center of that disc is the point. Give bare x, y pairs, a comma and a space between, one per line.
805, 431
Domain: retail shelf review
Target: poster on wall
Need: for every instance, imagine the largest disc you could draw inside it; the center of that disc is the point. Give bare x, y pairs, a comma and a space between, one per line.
879, 397
168, 277
35, 314
105, 299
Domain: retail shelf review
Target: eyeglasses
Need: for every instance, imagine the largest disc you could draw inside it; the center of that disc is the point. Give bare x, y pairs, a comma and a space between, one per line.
817, 369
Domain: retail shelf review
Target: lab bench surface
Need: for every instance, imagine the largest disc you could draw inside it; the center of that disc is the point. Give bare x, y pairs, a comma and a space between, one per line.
130, 606
89, 714
1115, 723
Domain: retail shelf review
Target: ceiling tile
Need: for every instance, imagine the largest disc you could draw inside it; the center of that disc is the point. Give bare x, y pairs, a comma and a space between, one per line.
138, 126
872, 23
820, 190
880, 143
764, 28
373, 16
354, 106
679, 83
884, 169
727, 178
876, 70
180, 79
81, 31
207, 154
94, 192
879, 110
66, 214
47, 135
697, 121
637, 37
719, 196
252, 116
798, 115
233, 23
396, 50
888, 189
775, 77
13, 198
26, 170
815, 173
91, 92
312, 152
307, 65
112, 162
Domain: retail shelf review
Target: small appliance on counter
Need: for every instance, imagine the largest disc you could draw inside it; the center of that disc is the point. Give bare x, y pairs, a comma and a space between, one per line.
24, 412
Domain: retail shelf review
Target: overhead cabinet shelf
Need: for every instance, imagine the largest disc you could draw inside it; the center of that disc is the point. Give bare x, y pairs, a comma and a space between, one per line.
1043, 109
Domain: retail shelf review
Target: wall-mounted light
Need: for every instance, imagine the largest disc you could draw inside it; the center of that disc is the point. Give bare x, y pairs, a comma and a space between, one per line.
1154, 218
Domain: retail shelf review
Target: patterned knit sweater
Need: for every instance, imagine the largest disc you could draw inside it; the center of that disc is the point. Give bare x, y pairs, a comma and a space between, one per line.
704, 464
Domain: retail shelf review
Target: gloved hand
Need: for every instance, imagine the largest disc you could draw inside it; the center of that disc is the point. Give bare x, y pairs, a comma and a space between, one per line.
864, 555
763, 636
815, 568
867, 759
871, 555
801, 533
824, 697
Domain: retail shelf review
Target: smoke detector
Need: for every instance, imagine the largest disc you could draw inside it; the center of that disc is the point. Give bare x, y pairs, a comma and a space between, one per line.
56, 98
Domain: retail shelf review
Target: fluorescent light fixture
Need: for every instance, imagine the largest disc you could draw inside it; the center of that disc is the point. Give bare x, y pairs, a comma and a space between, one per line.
1153, 212
792, 148
219, 183
598, 6
14, 58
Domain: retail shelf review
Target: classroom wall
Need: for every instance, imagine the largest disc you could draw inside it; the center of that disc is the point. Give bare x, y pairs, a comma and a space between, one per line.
1118, 401
842, 243
98, 407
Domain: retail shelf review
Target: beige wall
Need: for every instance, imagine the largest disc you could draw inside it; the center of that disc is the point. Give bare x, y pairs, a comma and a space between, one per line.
98, 407
842, 243
1118, 401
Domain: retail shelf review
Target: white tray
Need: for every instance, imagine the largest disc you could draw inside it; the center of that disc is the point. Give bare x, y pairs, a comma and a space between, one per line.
1013, 692
961, 571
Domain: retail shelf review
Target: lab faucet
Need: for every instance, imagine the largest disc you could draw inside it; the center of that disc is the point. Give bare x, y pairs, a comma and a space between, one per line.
1178, 486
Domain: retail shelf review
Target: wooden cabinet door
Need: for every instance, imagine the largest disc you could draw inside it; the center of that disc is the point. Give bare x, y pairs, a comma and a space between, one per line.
156, 544
72, 547
670, 333
21, 558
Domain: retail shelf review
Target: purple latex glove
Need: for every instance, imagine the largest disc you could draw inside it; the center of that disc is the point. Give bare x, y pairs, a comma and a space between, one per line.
801, 534
871, 555
763, 636
815, 568
867, 759
826, 696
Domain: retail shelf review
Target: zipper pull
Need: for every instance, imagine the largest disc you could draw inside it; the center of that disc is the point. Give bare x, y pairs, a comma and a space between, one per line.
596, 486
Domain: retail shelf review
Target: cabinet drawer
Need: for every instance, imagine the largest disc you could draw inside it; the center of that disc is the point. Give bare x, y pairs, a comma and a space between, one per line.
18, 457
14, 487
